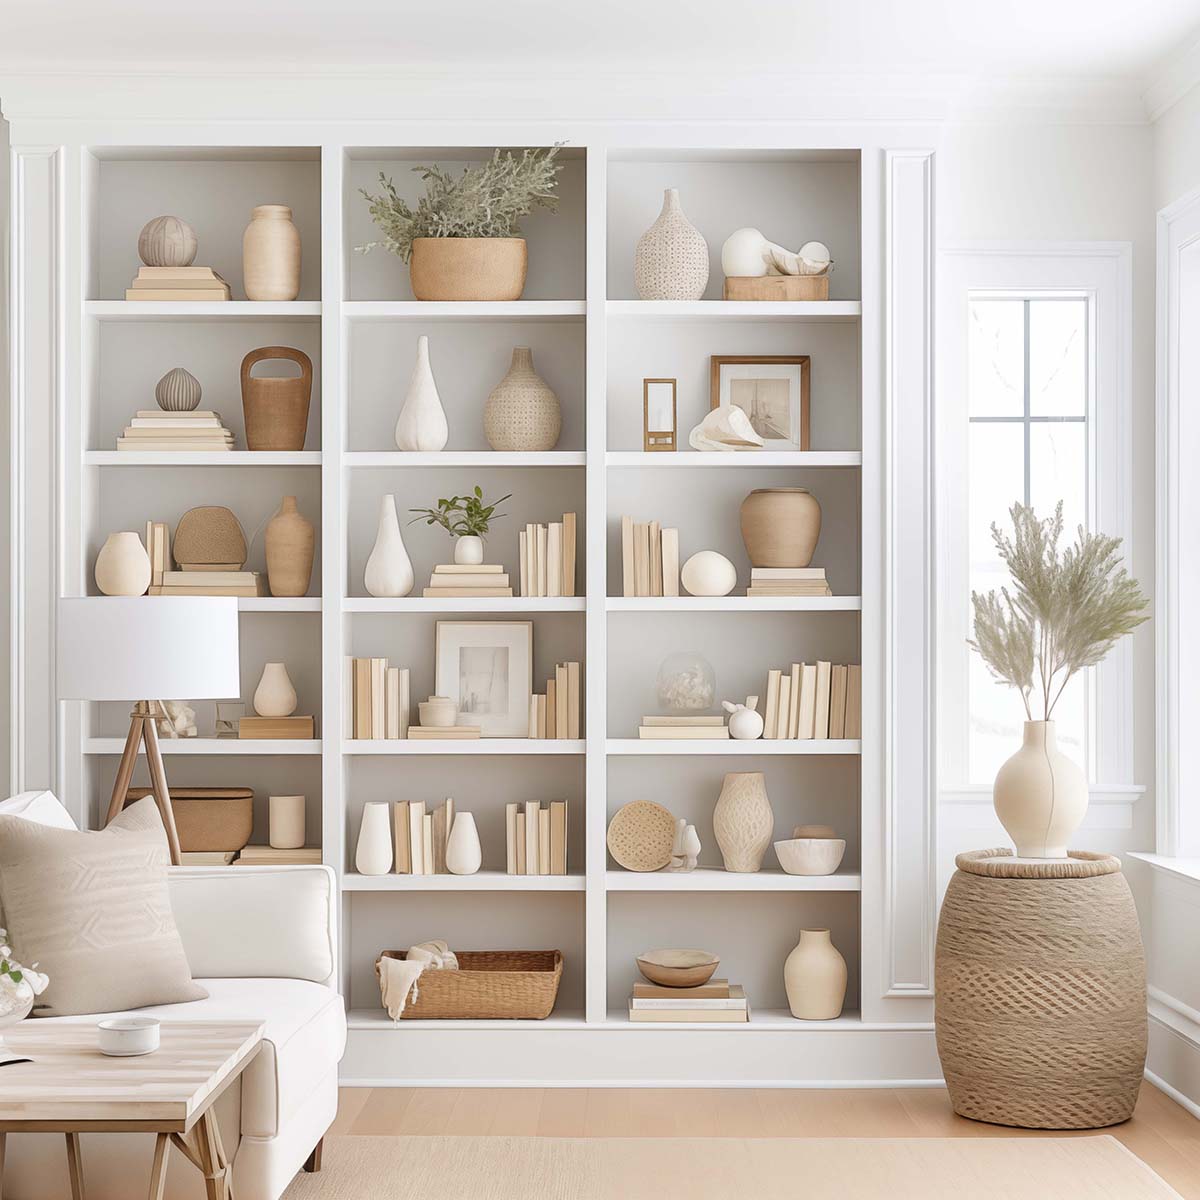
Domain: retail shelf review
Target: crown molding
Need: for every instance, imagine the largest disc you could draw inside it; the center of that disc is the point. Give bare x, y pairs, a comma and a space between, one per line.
1174, 78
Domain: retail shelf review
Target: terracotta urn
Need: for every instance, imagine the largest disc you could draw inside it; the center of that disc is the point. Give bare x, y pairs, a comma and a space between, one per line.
780, 526
123, 566
522, 413
468, 268
291, 541
271, 254
814, 976
1040, 795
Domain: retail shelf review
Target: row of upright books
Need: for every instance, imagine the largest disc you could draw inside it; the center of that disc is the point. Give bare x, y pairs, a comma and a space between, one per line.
177, 283
649, 559
555, 713
457, 581
376, 702
718, 1000
194, 580
788, 581
157, 429
536, 838
547, 558
814, 700
419, 837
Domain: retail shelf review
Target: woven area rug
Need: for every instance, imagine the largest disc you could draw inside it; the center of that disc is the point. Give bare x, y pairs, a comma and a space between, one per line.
530, 1168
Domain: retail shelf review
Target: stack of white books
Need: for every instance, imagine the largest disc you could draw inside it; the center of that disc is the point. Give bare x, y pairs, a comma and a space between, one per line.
716, 1000
461, 581
156, 429
683, 727
177, 283
788, 581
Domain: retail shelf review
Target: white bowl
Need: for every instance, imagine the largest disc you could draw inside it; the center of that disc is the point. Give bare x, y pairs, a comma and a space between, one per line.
810, 856
125, 1037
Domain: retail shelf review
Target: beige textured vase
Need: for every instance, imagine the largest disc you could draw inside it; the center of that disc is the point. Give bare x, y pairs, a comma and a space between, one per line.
743, 821
522, 413
814, 975
780, 526
123, 566
671, 260
468, 268
275, 696
271, 254
1040, 795
290, 540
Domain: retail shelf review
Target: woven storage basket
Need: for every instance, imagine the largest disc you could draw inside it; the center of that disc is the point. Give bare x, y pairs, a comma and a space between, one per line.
488, 985
1041, 991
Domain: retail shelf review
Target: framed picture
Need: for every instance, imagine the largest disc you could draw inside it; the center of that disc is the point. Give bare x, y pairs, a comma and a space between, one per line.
487, 668
771, 389
658, 414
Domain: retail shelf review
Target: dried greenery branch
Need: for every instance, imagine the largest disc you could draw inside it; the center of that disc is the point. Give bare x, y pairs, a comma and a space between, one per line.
1065, 612
485, 201
462, 516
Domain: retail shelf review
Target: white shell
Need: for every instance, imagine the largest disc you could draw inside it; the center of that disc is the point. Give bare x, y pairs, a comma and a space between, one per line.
708, 573
422, 422
724, 428
167, 242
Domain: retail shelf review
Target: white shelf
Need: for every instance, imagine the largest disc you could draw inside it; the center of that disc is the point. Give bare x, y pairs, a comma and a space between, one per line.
465, 746
433, 310
279, 604
210, 745
466, 604
192, 310
482, 881
736, 310
732, 746
464, 458
713, 879
735, 459
202, 458
733, 603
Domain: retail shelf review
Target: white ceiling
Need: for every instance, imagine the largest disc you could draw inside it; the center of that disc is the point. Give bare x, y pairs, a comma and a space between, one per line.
1114, 39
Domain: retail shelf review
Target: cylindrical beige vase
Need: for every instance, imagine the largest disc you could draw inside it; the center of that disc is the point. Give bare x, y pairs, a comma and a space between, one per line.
522, 413
468, 268
743, 821
123, 566
814, 975
780, 526
271, 254
290, 542
286, 822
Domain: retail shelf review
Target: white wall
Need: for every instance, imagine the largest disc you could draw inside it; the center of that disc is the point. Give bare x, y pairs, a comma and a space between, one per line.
1177, 150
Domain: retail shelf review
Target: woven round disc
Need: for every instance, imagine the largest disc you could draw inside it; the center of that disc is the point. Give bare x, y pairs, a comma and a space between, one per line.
640, 836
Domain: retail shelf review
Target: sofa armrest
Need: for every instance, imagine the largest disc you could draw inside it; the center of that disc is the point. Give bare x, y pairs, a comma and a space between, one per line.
257, 922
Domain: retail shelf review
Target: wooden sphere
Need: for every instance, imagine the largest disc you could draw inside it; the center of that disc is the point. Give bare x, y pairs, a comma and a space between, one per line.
167, 242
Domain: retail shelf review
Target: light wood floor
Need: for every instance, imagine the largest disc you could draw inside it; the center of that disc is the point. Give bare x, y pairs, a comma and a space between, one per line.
1161, 1133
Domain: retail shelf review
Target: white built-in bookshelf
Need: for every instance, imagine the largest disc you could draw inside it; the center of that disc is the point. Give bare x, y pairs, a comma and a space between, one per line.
593, 341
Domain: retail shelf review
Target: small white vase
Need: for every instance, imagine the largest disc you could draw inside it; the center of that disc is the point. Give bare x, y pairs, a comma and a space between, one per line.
275, 696
1040, 795
389, 570
814, 976
463, 854
373, 854
671, 260
422, 422
271, 254
468, 550
123, 566
743, 821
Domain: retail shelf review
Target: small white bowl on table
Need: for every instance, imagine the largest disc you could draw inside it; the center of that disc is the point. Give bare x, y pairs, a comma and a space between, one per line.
128, 1037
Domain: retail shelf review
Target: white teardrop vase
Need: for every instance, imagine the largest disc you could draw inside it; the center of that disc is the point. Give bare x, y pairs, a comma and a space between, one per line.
275, 696
389, 570
463, 853
123, 566
373, 854
422, 425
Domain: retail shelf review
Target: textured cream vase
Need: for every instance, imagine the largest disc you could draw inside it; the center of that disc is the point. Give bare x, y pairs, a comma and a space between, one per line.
271, 254
671, 260
290, 543
389, 569
814, 976
1040, 795
275, 696
373, 854
743, 821
123, 566
522, 413
422, 424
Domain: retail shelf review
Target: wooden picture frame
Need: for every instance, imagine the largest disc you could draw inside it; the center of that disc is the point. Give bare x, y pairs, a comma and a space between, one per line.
653, 436
455, 640
795, 369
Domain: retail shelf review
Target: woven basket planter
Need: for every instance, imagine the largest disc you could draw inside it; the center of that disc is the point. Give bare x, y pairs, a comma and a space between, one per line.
1041, 991
488, 985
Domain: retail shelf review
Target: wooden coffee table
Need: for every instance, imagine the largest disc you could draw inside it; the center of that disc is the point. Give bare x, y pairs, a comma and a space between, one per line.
71, 1088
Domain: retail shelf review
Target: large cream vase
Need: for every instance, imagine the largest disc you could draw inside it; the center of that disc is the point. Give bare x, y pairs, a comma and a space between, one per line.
1040, 795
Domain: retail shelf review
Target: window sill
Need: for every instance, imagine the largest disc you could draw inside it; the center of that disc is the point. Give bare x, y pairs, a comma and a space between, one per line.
1117, 793
1180, 868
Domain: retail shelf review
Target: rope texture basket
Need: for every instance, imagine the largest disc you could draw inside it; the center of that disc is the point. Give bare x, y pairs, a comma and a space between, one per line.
488, 985
1041, 991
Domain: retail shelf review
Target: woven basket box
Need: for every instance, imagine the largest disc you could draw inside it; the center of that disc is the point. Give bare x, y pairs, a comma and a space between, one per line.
488, 985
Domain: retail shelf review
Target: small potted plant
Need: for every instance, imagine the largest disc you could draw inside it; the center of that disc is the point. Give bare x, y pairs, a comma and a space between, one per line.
18, 987
466, 519
462, 240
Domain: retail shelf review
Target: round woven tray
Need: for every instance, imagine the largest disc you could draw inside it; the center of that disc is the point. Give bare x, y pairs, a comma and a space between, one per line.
640, 836
1000, 864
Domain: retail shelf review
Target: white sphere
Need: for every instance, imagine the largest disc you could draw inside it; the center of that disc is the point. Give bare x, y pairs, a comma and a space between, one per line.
744, 253
816, 257
708, 574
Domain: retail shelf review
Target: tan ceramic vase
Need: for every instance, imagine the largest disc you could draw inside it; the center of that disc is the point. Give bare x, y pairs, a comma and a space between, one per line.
290, 543
814, 975
780, 526
468, 268
522, 413
271, 254
743, 821
1040, 795
123, 566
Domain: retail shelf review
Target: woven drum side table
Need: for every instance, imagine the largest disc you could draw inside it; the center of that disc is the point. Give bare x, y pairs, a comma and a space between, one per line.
1040, 991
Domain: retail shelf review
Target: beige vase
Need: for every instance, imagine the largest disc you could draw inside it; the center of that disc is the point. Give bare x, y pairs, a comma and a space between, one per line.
468, 268
743, 821
290, 540
780, 526
1040, 795
814, 975
671, 260
522, 413
275, 696
271, 254
123, 566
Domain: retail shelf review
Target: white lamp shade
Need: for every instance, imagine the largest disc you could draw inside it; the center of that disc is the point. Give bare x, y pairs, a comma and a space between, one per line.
135, 648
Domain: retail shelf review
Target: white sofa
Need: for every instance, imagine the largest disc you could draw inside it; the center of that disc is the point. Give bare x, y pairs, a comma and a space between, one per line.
261, 941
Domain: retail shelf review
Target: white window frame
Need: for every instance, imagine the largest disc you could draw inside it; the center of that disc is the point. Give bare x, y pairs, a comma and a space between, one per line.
1102, 273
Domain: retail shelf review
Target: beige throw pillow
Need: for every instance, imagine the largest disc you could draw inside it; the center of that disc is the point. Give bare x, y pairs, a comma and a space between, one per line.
92, 909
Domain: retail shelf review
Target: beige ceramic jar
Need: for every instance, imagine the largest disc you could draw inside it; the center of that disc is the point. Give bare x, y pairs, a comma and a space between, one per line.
271, 254
780, 526
814, 976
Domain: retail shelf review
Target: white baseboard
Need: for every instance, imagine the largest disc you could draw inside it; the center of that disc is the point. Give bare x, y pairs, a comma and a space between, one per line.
1173, 1058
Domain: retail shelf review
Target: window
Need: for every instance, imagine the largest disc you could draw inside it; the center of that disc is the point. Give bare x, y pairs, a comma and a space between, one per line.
1033, 405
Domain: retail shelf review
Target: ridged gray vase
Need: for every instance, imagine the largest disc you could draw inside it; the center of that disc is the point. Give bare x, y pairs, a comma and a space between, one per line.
178, 391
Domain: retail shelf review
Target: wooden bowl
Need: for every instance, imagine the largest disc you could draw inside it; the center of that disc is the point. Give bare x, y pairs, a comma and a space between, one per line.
678, 968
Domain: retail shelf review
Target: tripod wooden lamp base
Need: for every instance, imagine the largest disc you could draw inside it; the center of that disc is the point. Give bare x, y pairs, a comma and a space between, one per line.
142, 729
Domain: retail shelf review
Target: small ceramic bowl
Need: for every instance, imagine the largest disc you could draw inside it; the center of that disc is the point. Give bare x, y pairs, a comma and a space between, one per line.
438, 712
678, 968
810, 856
125, 1037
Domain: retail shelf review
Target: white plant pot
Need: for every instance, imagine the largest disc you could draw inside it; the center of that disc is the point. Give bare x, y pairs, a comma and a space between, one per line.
814, 976
1040, 795
422, 422
463, 853
275, 696
123, 566
389, 570
468, 550
373, 854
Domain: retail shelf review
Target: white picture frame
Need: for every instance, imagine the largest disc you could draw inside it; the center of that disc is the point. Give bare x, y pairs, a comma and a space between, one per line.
486, 668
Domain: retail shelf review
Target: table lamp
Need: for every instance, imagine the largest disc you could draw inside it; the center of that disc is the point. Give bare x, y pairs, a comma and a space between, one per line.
147, 650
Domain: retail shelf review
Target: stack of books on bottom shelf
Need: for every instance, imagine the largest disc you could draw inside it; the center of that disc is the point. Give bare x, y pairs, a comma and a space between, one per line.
814, 700
155, 429
716, 1000
419, 837
268, 856
556, 714
536, 838
375, 700
177, 283
683, 727
452, 581
788, 581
